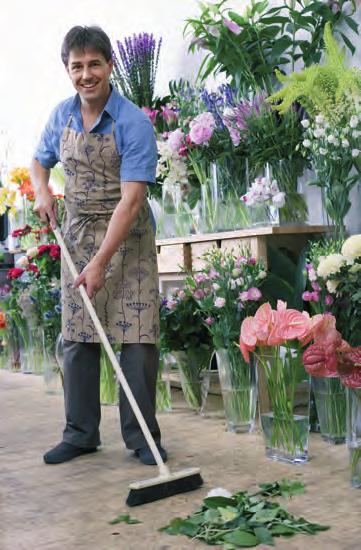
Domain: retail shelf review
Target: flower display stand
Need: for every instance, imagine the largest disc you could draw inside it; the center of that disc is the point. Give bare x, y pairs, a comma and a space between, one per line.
179, 255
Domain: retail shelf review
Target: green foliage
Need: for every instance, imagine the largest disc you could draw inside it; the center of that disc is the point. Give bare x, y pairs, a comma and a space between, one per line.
124, 518
244, 520
286, 278
267, 39
285, 488
330, 88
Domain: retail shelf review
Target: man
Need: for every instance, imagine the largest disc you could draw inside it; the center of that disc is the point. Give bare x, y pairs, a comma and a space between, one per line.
108, 151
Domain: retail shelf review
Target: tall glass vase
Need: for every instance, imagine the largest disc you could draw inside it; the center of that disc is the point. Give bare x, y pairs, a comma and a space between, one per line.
284, 402
31, 350
330, 397
163, 393
192, 363
176, 219
287, 173
53, 373
239, 389
353, 437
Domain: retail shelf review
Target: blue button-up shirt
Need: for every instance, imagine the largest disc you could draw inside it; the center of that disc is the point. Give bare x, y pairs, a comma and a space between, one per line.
134, 135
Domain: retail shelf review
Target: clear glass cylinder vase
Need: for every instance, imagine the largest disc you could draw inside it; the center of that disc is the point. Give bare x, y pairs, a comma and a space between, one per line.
287, 173
353, 434
238, 382
192, 364
176, 219
53, 371
284, 403
163, 391
31, 349
330, 398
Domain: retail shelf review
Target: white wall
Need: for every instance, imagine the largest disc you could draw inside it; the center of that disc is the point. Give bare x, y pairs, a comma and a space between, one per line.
32, 77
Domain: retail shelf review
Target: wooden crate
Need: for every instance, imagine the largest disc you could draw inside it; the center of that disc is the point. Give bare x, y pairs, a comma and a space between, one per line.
174, 258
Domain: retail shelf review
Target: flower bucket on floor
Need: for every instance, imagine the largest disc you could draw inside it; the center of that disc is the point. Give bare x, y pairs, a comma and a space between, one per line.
239, 389
53, 373
330, 397
31, 350
284, 403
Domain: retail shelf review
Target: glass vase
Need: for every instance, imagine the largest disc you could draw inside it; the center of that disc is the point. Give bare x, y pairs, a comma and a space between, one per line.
239, 389
163, 391
263, 214
221, 207
287, 173
13, 337
4, 350
284, 403
31, 350
353, 434
330, 397
176, 219
191, 364
53, 371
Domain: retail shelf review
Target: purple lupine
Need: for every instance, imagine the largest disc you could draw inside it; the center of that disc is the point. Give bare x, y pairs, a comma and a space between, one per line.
136, 67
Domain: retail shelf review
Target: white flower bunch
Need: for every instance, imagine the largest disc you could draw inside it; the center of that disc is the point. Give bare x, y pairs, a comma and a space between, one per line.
264, 190
332, 143
171, 167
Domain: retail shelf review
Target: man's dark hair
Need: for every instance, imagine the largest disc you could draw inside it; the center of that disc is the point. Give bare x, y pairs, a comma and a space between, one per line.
81, 38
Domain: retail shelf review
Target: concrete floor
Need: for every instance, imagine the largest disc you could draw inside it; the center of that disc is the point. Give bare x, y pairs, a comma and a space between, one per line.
68, 506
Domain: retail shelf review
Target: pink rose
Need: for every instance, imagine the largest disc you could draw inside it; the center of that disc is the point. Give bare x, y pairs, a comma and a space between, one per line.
254, 294
200, 135
328, 300
243, 296
198, 294
210, 321
307, 296
200, 278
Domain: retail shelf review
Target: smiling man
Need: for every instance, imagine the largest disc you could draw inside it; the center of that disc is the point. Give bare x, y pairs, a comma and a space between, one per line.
108, 151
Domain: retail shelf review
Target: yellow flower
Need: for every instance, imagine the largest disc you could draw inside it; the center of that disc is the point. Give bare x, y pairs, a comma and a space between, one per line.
329, 265
18, 175
351, 248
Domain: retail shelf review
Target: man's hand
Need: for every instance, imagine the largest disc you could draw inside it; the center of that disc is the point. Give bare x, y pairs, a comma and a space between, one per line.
44, 208
92, 277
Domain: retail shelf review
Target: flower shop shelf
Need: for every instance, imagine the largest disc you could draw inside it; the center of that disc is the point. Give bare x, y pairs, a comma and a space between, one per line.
179, 255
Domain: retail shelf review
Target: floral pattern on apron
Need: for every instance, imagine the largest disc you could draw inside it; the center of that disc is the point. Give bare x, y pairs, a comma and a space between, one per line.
128, 304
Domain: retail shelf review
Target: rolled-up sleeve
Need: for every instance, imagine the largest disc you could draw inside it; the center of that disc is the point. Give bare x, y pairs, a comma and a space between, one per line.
47, 150
139, 153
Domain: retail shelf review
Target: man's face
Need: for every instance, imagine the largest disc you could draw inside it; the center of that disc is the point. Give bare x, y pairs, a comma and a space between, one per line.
89, 72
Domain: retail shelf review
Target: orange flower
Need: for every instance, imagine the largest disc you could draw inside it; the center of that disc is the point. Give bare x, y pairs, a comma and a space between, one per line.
18, 175
26, 189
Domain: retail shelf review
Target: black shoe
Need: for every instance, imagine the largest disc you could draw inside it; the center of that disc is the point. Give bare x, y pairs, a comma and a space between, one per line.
145, 455
64, 452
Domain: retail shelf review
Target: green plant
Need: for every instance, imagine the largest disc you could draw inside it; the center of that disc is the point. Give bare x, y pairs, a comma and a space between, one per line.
249, 47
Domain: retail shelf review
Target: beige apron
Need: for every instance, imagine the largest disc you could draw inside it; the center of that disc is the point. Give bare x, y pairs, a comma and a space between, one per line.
127, 305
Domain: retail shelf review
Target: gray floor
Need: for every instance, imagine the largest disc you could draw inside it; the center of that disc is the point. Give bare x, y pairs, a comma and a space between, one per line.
69, 506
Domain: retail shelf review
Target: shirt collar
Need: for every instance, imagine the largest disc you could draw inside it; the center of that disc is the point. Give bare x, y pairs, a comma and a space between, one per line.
111, 106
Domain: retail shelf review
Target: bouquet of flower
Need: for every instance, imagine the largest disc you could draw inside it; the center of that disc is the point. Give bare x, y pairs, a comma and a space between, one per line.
277, 337
184, 334
227, 290
135, 69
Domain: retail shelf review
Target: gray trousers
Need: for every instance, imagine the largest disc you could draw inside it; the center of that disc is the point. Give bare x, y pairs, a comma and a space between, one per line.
82, 389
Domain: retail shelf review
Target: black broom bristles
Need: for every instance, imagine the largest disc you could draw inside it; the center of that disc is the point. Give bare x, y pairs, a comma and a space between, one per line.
164, 489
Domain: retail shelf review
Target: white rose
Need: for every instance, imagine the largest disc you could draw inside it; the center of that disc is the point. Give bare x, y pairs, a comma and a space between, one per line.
306, 143
32, 252
216, 286
279, 199
331, 138
319, 119
262, 275
319, 132
353, 121
322, 151
351, 248
330, 265
355, 153
332, 286
345, 143
219, 302
305, 123
356, 134
219, 492
22, 262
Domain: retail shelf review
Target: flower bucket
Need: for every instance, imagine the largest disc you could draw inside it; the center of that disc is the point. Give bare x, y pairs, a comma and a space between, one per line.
330, 397
239, 390
31, 350
191, 364
353, 436
284, 403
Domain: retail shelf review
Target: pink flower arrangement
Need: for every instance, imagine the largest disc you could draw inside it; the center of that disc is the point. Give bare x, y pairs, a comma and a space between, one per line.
151, 113
271, 327
202, 128
176, 140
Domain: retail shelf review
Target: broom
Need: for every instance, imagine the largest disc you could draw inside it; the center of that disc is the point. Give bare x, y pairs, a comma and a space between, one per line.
166, 483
